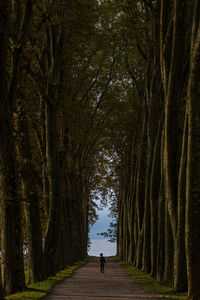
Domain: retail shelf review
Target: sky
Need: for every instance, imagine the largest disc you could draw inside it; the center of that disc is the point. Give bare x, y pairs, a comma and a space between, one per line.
101, 225
99, 244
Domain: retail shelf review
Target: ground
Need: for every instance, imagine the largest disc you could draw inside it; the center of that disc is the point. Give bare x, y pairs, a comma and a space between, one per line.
87, 283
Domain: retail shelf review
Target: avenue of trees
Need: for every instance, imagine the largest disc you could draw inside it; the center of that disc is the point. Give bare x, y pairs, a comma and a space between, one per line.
100, 97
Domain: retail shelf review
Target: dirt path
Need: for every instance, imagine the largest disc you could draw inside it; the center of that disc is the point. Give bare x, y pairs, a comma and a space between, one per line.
87, 283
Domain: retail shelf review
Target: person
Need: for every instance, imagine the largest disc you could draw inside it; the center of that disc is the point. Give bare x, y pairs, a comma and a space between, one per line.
102, 262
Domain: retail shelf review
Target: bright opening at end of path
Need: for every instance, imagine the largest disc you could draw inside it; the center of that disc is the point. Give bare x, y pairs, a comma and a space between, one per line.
100, 244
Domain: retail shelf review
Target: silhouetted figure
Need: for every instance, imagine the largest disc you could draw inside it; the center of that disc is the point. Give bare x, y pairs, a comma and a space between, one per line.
102, 262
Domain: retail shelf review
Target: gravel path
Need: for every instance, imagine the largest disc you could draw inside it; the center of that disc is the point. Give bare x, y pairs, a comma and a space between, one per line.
87, 283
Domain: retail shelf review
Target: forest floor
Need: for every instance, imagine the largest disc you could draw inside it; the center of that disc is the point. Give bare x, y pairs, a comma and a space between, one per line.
87, 283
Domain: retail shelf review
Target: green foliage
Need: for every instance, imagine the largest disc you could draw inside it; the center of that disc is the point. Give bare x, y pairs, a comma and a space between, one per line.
148, 283
40, 289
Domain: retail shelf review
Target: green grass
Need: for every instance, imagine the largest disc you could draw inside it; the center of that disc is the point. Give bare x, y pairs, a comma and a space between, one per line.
40, 289
149, 284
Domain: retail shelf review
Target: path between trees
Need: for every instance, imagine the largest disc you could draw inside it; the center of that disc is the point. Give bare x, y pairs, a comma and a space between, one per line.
87, 283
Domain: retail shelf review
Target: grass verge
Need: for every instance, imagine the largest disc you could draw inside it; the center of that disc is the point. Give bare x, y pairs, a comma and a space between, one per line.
149, 284
39, 289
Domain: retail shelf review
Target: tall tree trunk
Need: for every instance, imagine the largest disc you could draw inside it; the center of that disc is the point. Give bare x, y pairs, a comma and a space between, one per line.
180, 272
160, 261
12, 243
155, 185
45, 181
193, 163
169, 250
131, 202
120, 222
140, 190
11, 240
173, 93
132, 217
52, 238
31, 204
65, 187
173, 62
146, 255
1, 289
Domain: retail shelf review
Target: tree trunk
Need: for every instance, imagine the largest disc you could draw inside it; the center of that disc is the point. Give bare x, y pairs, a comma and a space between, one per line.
173, 94
146, 255
11, 240
140, 191
180, 272
155, 185
160, 261
169, 250
1, 289
131, 203
53, 236
31, 205
12, 243
193, 164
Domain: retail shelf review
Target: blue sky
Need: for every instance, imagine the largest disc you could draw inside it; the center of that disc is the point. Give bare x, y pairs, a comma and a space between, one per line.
100, 244
101, 225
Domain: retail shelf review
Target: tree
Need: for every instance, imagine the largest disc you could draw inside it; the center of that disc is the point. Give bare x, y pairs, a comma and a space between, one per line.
30, 180
14, 31
192, 185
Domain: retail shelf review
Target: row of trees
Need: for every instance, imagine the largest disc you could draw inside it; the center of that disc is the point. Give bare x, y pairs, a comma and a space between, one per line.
98, 95
57, 61
159, 192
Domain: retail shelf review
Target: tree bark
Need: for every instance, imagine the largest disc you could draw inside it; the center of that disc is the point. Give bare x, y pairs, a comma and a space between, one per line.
1, 290
180, 272
192, 229
31, 204
11, 241
169, 250
146, 253
53, 235
160, 261
155, 193
173, 90
140, 190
